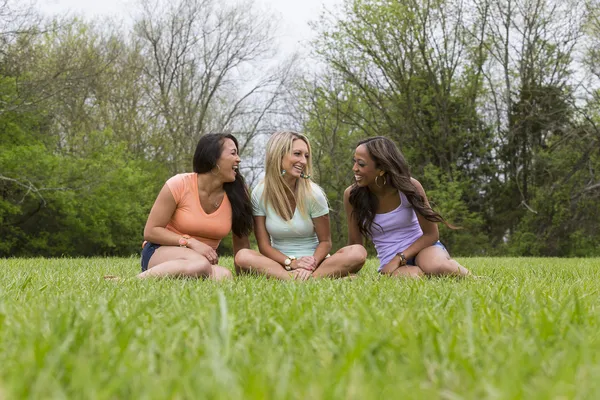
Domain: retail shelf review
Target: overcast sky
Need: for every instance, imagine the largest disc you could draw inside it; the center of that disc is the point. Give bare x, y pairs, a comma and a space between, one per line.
294, 14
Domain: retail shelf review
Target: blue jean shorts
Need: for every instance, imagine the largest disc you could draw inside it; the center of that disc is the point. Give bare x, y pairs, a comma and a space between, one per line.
411, 261
147, 252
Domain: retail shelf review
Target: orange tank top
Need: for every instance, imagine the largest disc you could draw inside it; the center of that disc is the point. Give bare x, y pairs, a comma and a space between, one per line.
189, 216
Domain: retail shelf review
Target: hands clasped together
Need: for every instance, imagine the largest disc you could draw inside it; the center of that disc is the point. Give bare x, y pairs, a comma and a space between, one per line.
303, 267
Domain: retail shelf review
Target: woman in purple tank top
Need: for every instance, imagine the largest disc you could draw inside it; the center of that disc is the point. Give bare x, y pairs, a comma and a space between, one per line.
390, 207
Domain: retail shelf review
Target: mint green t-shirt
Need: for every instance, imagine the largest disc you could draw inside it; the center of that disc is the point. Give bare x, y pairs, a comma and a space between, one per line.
296, 237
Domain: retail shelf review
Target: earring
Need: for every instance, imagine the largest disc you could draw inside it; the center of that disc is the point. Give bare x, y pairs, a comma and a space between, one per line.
218, 170
303, 175
282, 172
377, 182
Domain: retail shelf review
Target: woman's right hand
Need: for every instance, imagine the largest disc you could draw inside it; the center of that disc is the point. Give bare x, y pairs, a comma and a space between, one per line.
203, 249
306, 262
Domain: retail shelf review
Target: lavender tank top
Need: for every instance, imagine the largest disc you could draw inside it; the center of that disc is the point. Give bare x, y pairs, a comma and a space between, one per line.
397, 230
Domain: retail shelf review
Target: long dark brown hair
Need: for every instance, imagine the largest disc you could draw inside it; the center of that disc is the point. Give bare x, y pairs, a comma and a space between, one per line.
388, 158
207, 154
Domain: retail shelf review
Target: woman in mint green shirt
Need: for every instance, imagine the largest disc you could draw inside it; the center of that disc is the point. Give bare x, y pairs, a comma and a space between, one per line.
291, 219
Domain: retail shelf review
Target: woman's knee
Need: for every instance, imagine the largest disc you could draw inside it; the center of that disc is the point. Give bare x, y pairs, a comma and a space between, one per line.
357, 255
242, 258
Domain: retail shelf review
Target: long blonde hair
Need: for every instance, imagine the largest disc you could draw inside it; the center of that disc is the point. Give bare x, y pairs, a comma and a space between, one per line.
276, 190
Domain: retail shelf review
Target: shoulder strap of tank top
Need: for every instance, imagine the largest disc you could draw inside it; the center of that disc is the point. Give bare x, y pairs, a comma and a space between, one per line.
403, 200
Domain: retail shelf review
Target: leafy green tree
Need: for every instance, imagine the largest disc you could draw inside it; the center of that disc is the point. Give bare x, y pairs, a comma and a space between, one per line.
412, 72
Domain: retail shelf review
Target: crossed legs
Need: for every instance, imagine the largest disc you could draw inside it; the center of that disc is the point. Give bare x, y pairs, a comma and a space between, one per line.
348, 260
432, 261
181, 262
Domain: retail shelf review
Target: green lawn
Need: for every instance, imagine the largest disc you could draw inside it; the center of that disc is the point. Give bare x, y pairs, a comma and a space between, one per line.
530, 330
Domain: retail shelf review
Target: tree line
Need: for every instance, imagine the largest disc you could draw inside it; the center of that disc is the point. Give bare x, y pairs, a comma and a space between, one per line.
494, 103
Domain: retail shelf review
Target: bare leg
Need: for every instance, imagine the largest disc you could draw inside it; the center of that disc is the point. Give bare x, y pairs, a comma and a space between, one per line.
252, 261
408, 271
179, 262
219, 273
436, 261
347, 260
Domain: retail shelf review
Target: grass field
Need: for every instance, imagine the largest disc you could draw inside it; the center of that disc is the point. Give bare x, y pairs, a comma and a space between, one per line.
530, 330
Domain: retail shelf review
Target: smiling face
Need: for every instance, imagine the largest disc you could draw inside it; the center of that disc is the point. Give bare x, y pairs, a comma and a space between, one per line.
229, 161
294, 163
364, 167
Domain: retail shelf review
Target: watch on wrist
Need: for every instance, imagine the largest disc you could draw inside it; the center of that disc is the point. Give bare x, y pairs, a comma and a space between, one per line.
183, 240
287, 264
402, 259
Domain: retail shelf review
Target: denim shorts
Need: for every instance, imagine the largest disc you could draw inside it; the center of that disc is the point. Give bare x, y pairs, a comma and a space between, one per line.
147, 252
411, 261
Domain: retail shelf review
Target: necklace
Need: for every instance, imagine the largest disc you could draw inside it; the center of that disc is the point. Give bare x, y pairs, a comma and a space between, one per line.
216, 204
204, 192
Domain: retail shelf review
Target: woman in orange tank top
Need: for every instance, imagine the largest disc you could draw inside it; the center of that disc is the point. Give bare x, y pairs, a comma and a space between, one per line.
194, 211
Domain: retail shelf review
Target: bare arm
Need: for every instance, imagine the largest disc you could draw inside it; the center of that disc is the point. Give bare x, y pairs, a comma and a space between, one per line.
323, 231
239, 242
354, 235
431, 233
163, 209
